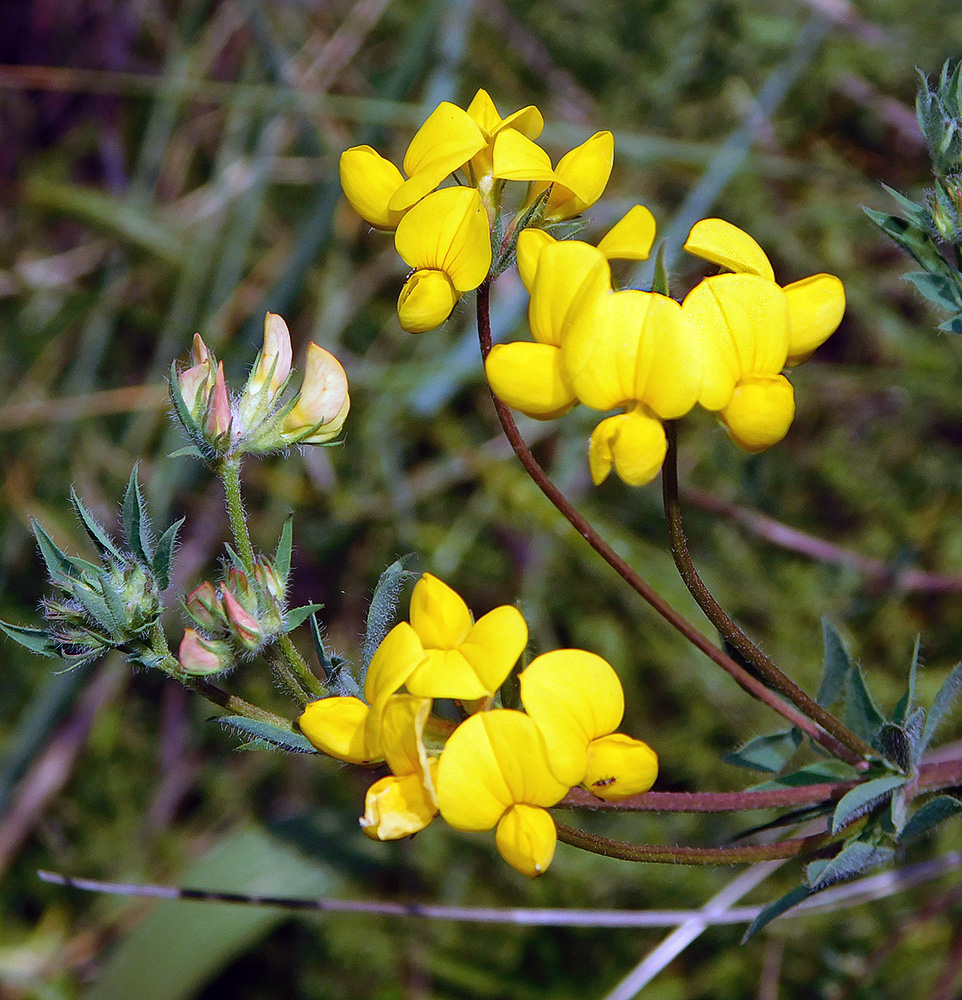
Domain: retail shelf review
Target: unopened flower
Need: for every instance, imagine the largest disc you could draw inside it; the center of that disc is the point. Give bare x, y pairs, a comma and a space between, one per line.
322, 405
200, 656
204, 607
270, 372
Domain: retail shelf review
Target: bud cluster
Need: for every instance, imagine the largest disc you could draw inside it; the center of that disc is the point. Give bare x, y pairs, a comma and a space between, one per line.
261, 418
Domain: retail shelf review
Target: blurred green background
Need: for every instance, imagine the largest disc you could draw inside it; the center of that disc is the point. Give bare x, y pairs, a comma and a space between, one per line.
170, 167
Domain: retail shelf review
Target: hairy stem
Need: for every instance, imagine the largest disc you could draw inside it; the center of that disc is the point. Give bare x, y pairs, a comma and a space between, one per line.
229, 471
717, 615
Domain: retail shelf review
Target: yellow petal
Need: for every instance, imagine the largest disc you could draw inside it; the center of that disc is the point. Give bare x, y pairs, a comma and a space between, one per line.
517, 158
619, 767
397, 807
633, 442
574, 697
402, 728
391, 665
427, 299
369, 182
493, 645
815, 307
567, 272
530, 244
528, 121
581, 176
632, 237
526, 837
446, 673
494, 760
484, 112
529, 378
728, 246
448, 231
760, 412
438, 614
274, 361
323, 401
337, 727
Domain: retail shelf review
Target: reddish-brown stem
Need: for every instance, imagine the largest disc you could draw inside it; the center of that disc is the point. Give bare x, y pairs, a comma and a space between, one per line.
720, 618
635, 580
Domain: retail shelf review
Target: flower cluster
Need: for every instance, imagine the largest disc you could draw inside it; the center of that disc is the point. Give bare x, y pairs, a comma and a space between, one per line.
445, 234
499, 767
723, 347
259, 420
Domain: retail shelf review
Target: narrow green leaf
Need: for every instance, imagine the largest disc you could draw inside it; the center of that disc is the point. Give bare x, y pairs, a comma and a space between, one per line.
59, 566
776, 909
297, 616
660, 283
837, 667
164, 555
911, 238
907, 702
863, 798
812, 774
952, 325
282, 556
264, 732
861, 715
938, 289
98, 536
136, 532
855, 857
190, 451
917, 213
116, 605
941, 704
381, 614
34, 639
930, 814
99, 610
767, 753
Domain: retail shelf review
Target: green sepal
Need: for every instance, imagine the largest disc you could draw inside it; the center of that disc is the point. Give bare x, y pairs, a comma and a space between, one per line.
60, 568
940, 705
136, 531
98, 536
767, 753
930, 814
381, 613
854, 858
265, 735
339, 678
163, 559
297, 616
180, 407
99, 610
902, 743
115, 604
863, 798
282, 554
776, 909
34, 639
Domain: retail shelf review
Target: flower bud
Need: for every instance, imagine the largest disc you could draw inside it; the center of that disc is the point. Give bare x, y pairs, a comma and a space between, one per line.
203, 606
218, 423
244, 627
269, 374
322, 404
426, 300
201, 657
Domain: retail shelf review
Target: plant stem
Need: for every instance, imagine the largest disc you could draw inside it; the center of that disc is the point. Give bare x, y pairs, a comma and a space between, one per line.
229, 471
665, 854
311, 683
717, 615
233, 704
632, 578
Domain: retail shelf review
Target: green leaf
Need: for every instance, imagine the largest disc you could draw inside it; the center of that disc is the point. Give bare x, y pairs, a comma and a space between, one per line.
381, 614
854, 858
660, 282
861, 715
937, 288
767, 753
863, 798
837, 667
917, 213
941, 704
60, 568
190, 451
98, 536
297, 616
902, 743
136, 532
812, 774
776, 909
952, 325
99, 610
907, 701
164, 555
282, 555
267, 734
913, 239
34, 639
930, 814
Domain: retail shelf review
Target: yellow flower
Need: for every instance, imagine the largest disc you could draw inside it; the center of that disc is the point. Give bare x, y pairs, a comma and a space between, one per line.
528, 122
494, 771
446, 238
405, 801
321, 407
576, 700
369, 181
461, 658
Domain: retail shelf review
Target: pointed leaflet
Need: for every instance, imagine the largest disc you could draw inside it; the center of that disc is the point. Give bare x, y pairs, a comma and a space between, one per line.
180, 408
339, 678
60, 568
135, 522
297, 616
953, 325
855, 857
164, 555
776, 909
863, 798
916, 213
98, 536
911, 238
282, 555
33, 639
767, 753
930, 814
861, 715
836, 669
938, 289
941, 704
380, 615
264, 734
907, 701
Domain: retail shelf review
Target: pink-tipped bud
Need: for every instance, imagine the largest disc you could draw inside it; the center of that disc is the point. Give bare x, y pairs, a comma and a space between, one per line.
218, 407
270, 580
245, 628
203, 605
323, 403
200, 353
274, 362
199, 656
